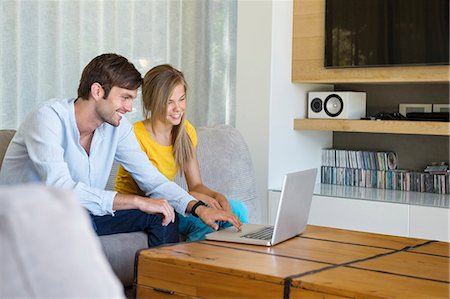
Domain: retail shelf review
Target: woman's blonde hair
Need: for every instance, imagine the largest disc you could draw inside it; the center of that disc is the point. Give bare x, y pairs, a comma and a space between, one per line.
158, 85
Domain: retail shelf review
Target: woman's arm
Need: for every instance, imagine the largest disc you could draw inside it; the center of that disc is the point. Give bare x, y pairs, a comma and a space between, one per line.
210, 201
199, 190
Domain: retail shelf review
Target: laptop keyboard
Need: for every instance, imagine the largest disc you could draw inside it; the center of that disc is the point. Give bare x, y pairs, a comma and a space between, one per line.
264, 233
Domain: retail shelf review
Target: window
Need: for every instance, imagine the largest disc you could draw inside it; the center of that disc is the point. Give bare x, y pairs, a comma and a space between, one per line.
44, 46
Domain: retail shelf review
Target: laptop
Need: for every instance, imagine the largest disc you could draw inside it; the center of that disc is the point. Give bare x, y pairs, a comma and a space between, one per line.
291, 219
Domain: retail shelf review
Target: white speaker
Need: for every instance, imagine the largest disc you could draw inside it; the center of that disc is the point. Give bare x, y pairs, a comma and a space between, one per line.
337, 104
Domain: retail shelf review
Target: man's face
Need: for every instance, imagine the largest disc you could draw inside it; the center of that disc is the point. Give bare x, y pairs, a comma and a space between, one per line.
118, 102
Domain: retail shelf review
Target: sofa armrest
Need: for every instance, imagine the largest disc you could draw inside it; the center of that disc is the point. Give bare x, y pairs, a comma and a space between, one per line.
5, 139
48, 247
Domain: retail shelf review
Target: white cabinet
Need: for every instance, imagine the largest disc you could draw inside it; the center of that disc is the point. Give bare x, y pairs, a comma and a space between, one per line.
361, 215
429, 223
374, 216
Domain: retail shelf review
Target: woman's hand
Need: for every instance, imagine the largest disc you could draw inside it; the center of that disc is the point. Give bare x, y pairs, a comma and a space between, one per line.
223, 202
212, 216
210, 201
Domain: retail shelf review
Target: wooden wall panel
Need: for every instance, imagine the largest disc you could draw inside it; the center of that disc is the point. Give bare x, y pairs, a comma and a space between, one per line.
308, 55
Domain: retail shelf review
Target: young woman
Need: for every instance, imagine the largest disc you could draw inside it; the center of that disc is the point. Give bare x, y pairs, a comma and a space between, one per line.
169, 141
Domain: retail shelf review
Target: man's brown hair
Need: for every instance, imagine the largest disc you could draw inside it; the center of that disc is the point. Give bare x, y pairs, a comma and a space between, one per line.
109, 70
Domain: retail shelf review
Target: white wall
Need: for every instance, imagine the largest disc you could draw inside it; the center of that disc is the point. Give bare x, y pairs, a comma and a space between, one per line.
267, 101
253, 86
289, 150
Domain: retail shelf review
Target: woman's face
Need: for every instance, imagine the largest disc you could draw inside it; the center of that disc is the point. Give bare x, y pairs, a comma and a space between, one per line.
176, 105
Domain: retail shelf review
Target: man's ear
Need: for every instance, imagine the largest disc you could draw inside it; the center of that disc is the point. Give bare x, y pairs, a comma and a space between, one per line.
97, 91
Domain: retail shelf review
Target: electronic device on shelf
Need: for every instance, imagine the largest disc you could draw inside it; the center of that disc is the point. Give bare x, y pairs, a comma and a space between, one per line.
407, 108
428, 116
441, 108
336, 104
412, 116
386, 116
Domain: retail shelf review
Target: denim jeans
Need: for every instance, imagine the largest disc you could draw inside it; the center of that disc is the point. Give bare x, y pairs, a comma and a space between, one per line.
127, 221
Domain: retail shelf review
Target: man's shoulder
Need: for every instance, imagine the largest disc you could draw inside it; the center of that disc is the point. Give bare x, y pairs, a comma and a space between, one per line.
58, 106
47, 113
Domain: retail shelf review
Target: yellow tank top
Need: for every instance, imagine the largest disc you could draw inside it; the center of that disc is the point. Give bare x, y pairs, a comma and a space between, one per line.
160, 155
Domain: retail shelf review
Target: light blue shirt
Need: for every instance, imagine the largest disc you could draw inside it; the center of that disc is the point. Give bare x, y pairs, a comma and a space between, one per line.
46, 148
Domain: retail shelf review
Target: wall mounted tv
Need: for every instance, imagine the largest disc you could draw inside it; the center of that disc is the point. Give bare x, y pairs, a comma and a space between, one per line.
366, 33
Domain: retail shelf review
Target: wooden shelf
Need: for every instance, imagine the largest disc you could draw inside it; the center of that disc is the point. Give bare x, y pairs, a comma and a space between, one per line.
375, 126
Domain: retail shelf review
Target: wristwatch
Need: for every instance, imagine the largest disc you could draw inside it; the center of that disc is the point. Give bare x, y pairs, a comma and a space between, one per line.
195, 206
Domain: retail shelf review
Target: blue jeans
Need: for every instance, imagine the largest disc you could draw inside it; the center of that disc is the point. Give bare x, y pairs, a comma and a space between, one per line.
127, 221
195, 229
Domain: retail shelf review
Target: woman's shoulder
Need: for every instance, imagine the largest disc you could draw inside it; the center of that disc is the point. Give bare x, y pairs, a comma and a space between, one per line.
190, 129
188, 125
139, 126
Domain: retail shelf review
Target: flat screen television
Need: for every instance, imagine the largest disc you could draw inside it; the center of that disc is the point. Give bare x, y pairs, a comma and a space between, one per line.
376, 33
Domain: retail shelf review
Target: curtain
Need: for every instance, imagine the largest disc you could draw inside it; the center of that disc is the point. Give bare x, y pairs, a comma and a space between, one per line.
44, 46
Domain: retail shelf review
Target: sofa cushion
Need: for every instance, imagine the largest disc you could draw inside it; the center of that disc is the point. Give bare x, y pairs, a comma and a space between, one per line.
48, 247
226, 166
120, 250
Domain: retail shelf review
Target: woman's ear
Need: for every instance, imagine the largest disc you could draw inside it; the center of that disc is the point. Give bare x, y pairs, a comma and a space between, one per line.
97, 91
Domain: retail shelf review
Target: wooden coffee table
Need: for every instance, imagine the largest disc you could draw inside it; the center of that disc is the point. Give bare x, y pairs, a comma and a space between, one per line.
321, 263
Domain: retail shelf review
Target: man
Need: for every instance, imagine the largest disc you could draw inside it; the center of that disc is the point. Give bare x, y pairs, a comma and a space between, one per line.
72, 144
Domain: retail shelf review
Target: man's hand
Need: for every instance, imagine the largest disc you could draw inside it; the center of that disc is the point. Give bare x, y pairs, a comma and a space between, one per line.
209, 216
146, 205
157, 206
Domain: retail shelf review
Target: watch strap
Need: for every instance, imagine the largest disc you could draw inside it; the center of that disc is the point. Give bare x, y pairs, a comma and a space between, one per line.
195, 206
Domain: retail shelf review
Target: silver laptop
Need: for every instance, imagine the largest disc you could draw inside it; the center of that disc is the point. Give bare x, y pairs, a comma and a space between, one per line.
291, 219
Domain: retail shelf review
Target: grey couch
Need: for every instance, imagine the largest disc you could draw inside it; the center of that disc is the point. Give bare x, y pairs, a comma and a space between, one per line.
225, 165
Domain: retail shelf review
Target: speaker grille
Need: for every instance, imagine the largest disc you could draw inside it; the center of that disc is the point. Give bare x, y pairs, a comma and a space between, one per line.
333, 105
316, 105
